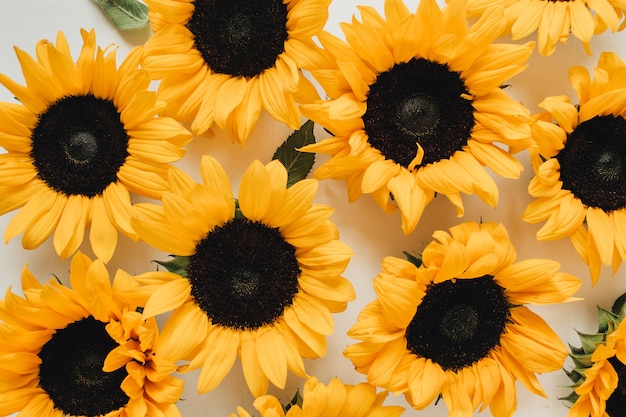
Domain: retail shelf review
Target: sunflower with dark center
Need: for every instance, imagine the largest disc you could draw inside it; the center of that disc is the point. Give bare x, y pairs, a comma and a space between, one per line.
259, 275
580, 166
599, 373
83, 351
554, 21
457, 325
223, 62
333, 400
82, 138
417, 109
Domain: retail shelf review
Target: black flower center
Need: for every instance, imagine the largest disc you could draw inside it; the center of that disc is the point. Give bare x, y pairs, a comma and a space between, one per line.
79, 145
616, 404
243, 274
239, 37
71, 370
593, 163
458, 322
423, 102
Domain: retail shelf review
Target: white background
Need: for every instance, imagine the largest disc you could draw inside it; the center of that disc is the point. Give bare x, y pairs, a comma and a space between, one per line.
363, 226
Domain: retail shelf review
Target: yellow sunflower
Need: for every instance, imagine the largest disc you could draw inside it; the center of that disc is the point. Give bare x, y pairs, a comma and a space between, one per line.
555, 20
332, 400
579, 186
600, 367
224, 61
259, 276
81, 139
83, 351
416, 107
457, 327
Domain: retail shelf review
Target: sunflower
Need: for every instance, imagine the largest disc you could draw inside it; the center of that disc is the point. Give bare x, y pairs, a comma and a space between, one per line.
225, 61
332, 400
457, 327
580, 182
416, 107
83, 351
82, 138
599, 375
555, 20
259, 276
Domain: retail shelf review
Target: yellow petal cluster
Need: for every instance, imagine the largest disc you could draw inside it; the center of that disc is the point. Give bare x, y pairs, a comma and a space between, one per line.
333, 400
29, 322
198, 94
153, 143
527, 345
376, 45
555, 21
599, 236
267, 353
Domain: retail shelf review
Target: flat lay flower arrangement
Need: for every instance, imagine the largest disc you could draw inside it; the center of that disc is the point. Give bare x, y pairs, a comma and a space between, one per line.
284, 208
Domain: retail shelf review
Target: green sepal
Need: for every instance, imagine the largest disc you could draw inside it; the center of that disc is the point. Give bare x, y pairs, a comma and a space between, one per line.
238, 213
296, 400
576, 375
607, 321
178, 265
572, 398
582, 361
576, 350
126, 14
590, 341
298, 164
619, 307
415, 260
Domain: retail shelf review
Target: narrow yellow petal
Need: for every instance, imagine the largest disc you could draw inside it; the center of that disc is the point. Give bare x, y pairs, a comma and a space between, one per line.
271, 355
221, 346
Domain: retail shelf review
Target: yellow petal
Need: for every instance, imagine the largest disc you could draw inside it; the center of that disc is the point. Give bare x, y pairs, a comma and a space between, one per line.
255, 378
167, 297
271, 356
221, 351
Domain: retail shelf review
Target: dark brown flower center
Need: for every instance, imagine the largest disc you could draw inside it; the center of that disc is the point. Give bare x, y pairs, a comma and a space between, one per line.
459, 322
239, 37
71, 370
243, 274
423, 102
79, 145
593, 162
616, 404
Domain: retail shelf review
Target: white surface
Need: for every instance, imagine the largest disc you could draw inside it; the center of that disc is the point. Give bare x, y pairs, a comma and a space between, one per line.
363, 226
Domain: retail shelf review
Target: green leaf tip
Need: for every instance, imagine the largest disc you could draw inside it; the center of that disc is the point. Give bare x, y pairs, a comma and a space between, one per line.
126, 14
298, 164
415, 260
178, 265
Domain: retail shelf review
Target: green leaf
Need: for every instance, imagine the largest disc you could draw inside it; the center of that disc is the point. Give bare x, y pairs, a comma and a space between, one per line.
298, 164
619, 307
607, 321
590, 341
415, 260
582, 361
296, 400
572, 398
178, 265
126, 14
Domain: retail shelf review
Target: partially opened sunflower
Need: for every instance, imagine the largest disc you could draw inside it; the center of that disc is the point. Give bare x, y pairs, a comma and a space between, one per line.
417, 109
555, 21
83, 351
224, 62
259, 276
333, 400
457, 325
580, 182
599, 373
82, 138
